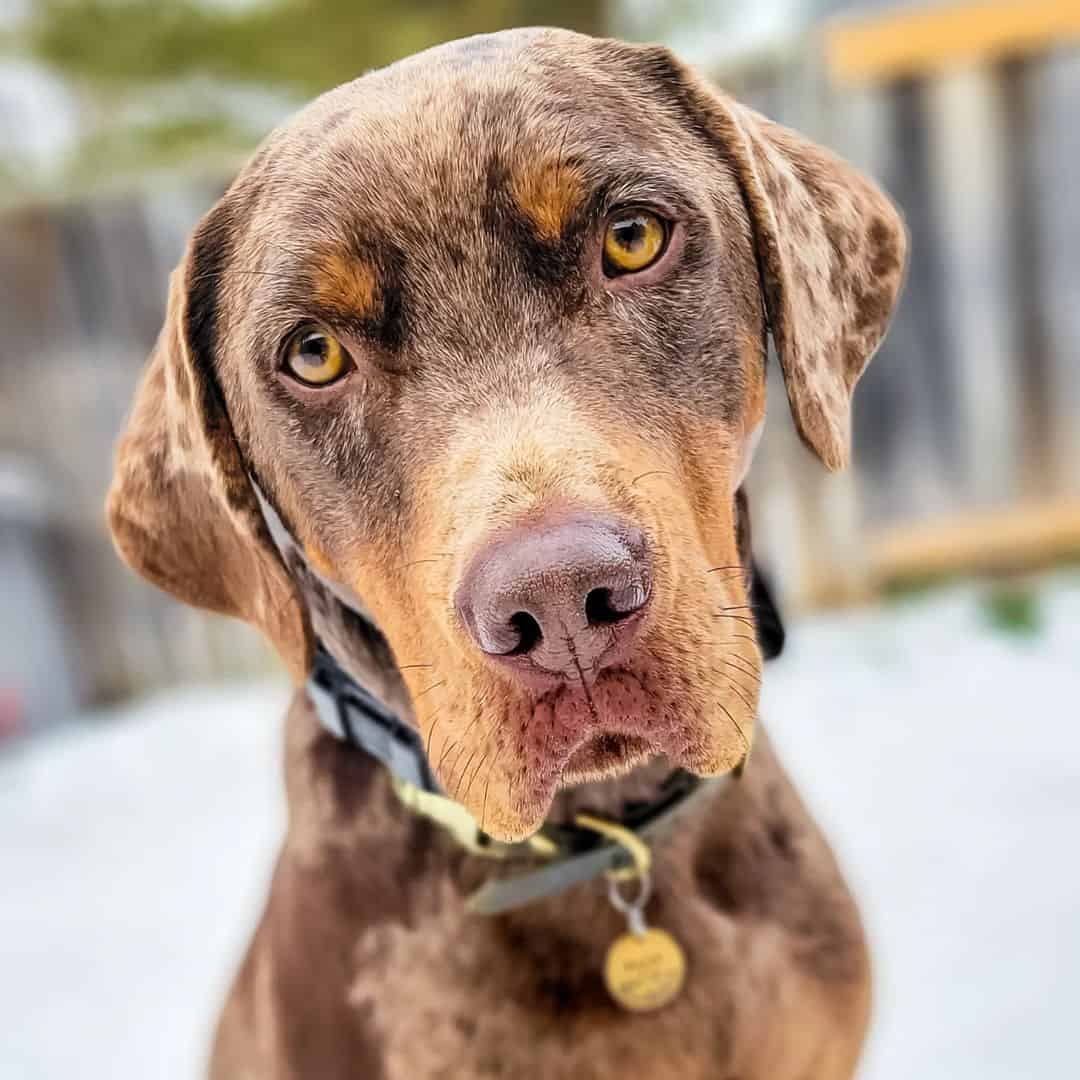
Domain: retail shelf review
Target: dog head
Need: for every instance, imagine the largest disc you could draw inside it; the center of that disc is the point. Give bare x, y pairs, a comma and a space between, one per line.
489, 326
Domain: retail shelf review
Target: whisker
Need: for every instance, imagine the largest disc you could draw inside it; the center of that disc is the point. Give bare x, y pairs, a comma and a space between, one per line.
752, 662
436, 717
421, 562
451, 769
741, 670
283, 279
433, 686
736, 688
413, 667
476, 773
299, 255
737, 618
738, 727
457, 786
487, 783
581, 677
472, 723
442, 757
653, 472
487, 786
482, 741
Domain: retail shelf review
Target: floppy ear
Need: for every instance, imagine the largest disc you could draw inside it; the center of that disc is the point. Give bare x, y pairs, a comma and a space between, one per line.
181, 509
831, 250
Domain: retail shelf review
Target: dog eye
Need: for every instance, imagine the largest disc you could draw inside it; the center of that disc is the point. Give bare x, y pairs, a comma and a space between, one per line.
316, 358
633, 240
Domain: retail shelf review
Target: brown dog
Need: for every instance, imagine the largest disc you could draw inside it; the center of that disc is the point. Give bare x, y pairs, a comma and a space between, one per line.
489, 326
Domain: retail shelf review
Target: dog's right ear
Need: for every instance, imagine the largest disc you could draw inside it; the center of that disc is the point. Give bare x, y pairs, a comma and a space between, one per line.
830, 245
181, 508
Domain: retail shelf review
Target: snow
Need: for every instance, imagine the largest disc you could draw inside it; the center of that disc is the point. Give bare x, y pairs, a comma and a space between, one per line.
941, 755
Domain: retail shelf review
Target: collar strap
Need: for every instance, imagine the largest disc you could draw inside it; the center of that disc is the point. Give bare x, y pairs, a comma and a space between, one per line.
504, 894
573, 854
349, 711
354, 715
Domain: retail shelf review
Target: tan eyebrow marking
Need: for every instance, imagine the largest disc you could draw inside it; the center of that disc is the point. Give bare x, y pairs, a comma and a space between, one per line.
548, 193
342, 282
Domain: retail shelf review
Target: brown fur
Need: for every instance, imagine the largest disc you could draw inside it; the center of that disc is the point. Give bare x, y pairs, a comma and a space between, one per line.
443, 218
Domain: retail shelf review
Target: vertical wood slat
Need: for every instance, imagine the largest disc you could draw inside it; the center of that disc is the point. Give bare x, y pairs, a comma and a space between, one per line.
974, 204
904, 406
1053, 151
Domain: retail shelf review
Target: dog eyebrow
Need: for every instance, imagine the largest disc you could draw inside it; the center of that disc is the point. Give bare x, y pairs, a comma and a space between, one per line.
655, 189
550, 194
346, 284
557, 197
361, 292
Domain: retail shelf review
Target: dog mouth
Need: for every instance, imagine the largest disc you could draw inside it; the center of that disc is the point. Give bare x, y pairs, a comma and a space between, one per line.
603, 754
581, 733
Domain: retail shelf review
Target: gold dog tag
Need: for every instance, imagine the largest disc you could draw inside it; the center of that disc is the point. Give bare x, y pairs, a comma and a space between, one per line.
645, 971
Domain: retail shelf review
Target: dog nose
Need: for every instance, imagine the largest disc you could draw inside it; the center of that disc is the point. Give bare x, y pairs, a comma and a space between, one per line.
562, 599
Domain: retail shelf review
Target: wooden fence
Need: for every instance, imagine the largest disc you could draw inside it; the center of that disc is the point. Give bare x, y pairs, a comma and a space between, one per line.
967, 424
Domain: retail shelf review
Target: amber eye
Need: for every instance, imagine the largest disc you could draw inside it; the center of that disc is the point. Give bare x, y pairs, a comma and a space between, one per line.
316, 358
633, 240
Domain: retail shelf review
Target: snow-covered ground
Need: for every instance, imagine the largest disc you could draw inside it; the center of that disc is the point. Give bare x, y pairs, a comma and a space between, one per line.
942, 756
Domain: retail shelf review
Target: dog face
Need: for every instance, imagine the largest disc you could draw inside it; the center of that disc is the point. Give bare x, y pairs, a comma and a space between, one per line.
488, 325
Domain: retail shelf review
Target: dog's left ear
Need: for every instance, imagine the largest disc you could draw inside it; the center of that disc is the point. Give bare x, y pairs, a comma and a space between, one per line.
831, 250
181, 508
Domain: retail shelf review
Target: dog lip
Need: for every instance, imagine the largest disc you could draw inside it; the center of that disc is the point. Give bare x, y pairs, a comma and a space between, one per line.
617, 707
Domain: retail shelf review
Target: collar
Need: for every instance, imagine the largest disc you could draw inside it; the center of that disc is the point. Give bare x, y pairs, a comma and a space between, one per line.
569, 854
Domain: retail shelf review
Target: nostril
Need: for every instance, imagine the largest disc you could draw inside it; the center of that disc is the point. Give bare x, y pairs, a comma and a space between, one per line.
599, 609
528, 631
606, 606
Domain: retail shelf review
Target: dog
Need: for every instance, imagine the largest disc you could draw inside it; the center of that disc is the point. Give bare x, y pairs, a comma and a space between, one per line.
456, 393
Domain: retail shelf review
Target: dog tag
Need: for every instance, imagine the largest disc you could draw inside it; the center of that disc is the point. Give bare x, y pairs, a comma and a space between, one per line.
645, 971
645, 968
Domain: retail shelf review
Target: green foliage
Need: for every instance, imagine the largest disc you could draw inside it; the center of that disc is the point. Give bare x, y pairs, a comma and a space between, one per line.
302, 45
1013, 609
158, 74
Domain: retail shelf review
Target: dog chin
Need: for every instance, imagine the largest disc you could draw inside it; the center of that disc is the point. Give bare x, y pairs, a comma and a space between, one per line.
573, 737
604, 756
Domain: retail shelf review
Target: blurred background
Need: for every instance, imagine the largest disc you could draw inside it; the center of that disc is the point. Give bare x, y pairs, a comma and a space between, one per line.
927, 704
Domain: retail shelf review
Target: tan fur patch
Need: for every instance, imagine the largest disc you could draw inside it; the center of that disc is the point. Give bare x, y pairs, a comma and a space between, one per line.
340, 281
549, 194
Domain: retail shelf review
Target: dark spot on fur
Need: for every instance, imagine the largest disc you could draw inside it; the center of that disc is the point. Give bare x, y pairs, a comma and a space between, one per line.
560, 976
554, 265
757, 871
349, 774
466, 1025
780, 838
336, 119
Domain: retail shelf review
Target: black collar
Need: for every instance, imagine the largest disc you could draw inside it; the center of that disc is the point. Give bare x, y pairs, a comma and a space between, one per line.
354, 715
